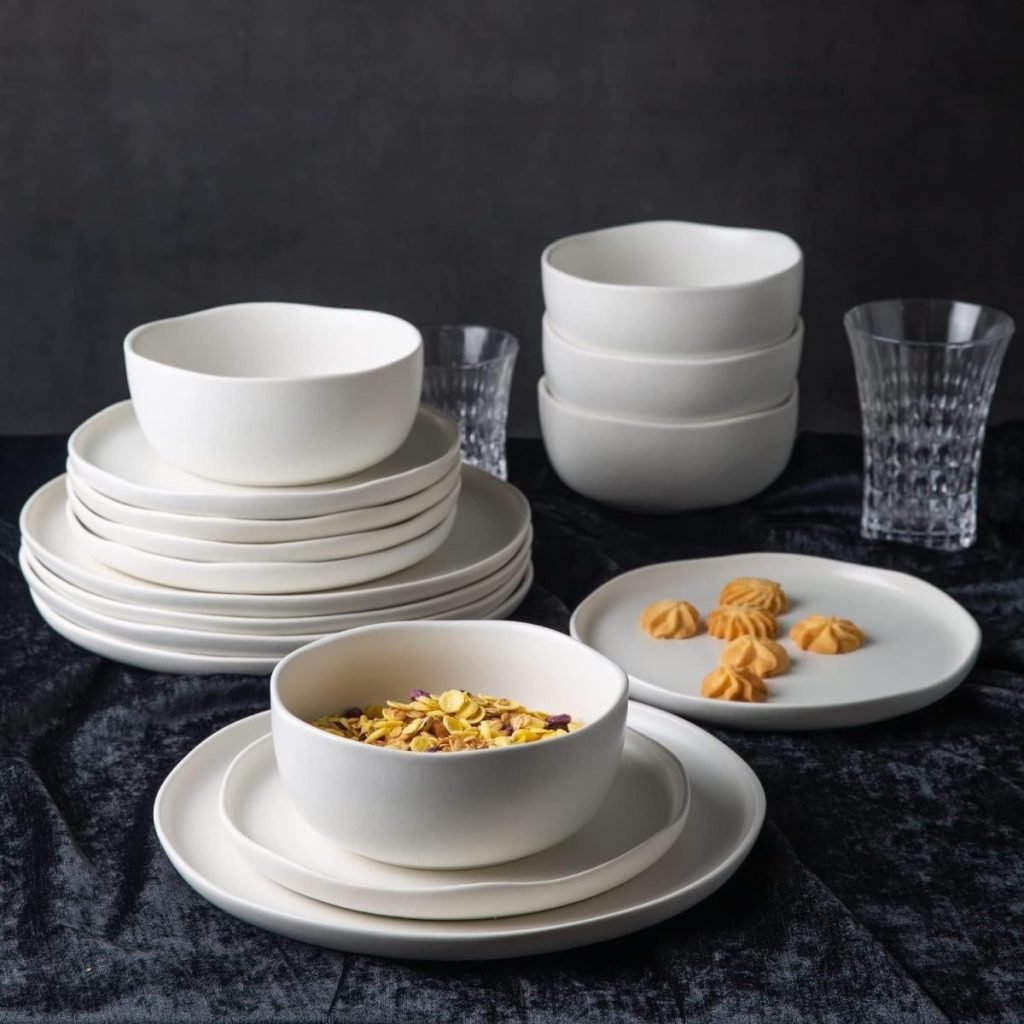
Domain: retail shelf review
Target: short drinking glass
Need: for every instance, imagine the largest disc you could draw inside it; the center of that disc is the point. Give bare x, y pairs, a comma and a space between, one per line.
467, 373
926, 370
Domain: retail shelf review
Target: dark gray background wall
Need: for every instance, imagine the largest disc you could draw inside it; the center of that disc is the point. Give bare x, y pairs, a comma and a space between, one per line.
161, 157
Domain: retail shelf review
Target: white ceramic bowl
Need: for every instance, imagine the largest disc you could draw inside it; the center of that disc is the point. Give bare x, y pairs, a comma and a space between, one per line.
652, 388
448, 810
670, 288
669, 466
275, 394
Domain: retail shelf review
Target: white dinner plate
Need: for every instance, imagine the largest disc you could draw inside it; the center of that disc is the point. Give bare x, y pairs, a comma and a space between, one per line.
264, 531
281, 626
635, 826
321, 549
163, 659
492, 521
110, 454
261, 577
920, 642
726, 812
232, 645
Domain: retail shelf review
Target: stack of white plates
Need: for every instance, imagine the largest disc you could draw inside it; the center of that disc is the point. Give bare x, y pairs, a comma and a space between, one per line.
141, 562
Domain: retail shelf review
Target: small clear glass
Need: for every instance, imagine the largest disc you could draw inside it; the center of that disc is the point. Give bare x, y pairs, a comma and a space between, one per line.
926, 371
467, 373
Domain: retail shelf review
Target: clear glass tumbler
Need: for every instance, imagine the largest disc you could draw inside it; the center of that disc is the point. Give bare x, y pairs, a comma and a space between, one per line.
926, 370
467, 373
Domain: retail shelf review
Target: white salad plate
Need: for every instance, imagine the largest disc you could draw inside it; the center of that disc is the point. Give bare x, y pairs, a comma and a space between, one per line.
727, 809
260, 577
166, 659
920, 642
202, 641
263, 531
450, 602
346, 545
110, 454
492, 522
640, 820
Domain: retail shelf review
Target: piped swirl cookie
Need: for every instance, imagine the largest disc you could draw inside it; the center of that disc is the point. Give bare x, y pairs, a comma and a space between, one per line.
763, 656
728, 682
670, 620
825, 634
755, 592
729, 621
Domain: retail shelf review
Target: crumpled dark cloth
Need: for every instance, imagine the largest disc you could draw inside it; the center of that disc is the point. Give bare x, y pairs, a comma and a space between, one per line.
887, 884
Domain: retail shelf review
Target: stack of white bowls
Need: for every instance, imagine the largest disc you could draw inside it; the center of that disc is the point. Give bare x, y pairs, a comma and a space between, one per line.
273, 479
671, 353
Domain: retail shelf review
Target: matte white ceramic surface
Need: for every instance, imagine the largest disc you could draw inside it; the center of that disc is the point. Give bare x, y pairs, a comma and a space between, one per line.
153, 659
346, 545
261, 577
449, 604
670, 288
191, 640
275, 393
263, 531
492, 522
637, 823
726, 812
651, 388
920, 643
548, 790
110, 454
166, 659
666, 466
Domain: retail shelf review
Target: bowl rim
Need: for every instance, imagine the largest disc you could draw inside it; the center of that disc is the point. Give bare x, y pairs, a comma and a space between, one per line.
620, 700
134, 335
666, 426
793, 339
552, 248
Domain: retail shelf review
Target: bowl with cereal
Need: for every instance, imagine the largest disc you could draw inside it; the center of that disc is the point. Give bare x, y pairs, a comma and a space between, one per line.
447, 744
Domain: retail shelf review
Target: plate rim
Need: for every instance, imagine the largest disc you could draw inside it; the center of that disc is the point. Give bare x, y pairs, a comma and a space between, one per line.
480, 944
862, 711
82, 487
210, 664
229, 551
268, 577
275, 499
512, 569
673, 826
178, 644
129, 588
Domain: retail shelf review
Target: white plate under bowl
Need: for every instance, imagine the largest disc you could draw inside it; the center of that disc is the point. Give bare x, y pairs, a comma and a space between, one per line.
491, 523
726, 812
321, 549
164, 659
261, 577
450, 602
636, 825
920, 643
231, 645
263, 531
110, 454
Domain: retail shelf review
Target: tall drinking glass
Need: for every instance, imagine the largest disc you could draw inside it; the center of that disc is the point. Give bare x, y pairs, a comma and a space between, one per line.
926, 370
467, 373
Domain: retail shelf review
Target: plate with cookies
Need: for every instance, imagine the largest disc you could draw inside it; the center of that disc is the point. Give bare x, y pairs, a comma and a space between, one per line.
780, 641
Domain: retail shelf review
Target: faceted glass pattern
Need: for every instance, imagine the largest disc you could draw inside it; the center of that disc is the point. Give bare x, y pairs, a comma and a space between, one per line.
467, 373
926, 370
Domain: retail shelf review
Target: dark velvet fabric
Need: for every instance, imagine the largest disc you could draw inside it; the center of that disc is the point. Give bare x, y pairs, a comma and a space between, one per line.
886, 885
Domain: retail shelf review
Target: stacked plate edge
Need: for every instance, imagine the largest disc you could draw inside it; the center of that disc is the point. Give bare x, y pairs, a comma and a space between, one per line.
137, 561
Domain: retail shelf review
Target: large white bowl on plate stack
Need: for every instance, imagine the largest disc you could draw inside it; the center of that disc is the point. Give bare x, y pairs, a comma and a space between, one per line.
140, 559
671, 353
